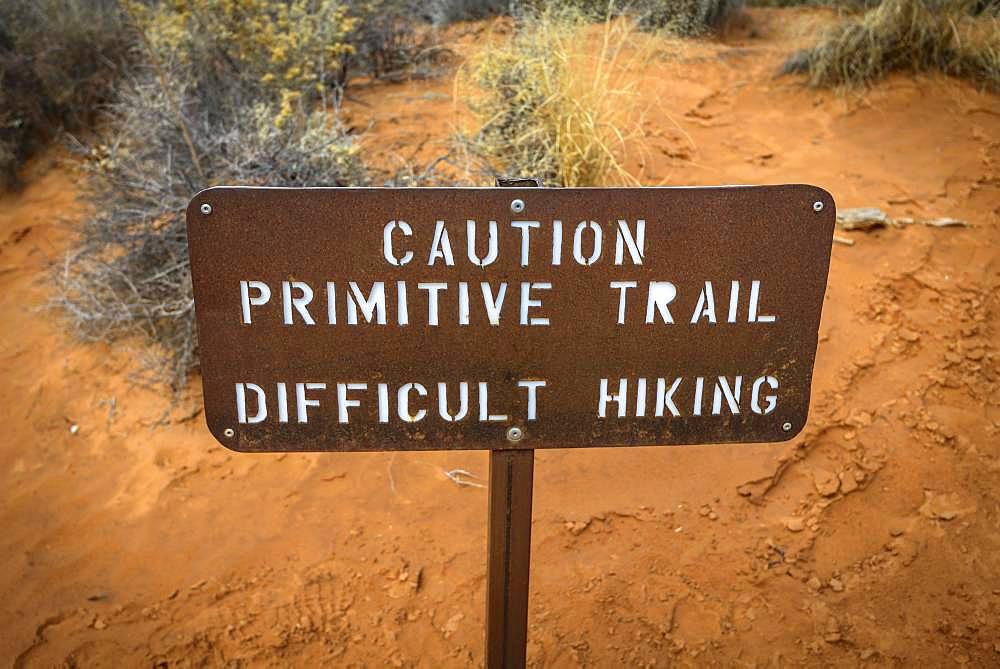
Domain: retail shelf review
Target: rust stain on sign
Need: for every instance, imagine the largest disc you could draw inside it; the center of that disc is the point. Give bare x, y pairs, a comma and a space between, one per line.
465, 318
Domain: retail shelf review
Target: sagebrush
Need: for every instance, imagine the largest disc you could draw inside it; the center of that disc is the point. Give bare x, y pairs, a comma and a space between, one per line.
219, 94
181, 124
289, 50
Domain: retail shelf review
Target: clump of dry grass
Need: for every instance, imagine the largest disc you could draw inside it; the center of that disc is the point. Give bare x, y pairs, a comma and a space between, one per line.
912, 35
555, 100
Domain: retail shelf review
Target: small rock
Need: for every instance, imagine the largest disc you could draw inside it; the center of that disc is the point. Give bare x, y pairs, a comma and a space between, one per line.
867, 653
451, 625
74, 428
827, 484
943, 506
794, 524
848, 484
99, 624
833, 634
713, 515
814, 583
862, 218
836, 585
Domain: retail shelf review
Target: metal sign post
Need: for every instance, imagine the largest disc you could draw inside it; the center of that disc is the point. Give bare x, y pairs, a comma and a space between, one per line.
508, 542
507, 319
508, 556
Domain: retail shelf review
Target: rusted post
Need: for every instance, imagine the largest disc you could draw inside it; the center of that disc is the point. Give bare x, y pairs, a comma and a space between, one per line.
509, 542
509, 557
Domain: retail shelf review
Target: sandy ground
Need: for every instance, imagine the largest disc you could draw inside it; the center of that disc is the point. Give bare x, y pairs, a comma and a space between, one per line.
873, 539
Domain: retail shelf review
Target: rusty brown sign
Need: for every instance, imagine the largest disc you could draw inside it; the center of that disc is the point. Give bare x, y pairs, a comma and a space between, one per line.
484, 318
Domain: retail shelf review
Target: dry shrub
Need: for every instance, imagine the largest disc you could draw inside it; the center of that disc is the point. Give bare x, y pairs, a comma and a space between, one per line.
58, 62
688, 17
284, 51
555, 100
223, 92
392, 39
848, 5
289, 49
910, 35
685, 18
178, 126
442, 12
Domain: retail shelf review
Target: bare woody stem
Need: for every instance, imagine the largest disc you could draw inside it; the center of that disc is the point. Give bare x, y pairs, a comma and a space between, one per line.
175, 106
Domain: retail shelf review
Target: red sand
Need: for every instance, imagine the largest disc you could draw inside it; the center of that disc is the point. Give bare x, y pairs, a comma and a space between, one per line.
874, 538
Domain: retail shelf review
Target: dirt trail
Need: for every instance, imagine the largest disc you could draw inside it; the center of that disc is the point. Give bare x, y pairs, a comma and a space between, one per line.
874, 538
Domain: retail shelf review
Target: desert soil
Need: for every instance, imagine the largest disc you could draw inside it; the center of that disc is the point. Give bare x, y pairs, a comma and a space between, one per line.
872, 539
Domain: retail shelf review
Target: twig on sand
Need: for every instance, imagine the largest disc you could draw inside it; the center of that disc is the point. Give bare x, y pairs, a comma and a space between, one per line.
461, 476
946, 222
392, 480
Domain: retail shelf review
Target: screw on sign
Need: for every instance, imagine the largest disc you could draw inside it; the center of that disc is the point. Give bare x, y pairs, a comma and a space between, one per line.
507, 319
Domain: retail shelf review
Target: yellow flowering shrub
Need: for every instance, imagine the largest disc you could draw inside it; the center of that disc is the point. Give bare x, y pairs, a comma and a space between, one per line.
286, 48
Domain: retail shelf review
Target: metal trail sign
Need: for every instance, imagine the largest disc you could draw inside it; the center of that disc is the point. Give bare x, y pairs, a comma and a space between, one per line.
415, 319
508, 319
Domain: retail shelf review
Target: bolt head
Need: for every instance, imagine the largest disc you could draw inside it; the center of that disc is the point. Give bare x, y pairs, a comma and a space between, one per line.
229, 432
787, 427
517, 206
206, 209
515, 434
817, 206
